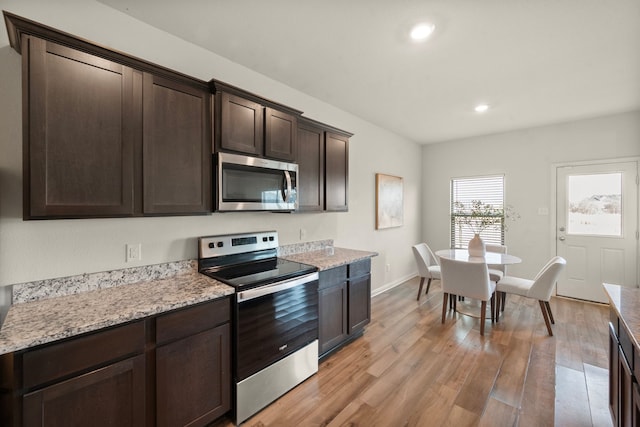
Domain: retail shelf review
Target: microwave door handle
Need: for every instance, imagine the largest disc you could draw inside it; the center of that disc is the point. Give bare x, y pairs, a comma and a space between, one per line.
286, 191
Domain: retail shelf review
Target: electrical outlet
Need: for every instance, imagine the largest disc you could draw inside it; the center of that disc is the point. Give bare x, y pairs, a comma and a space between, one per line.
303, 234
134, 252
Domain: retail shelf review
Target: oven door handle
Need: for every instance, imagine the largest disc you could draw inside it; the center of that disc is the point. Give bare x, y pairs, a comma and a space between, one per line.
276, 287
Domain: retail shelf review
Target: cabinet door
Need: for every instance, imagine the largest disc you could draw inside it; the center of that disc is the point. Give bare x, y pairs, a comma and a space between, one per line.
242, 124
636, 404
625, 391
332, 306
79, 141
176, 148
311, 168
359, 303
111, 396
193, 379
281, 135
613, 374
337, 172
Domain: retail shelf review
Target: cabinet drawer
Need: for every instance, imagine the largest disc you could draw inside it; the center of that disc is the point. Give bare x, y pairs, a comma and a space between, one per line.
360, 268
627, 345
332, 277
79, 354
192, 320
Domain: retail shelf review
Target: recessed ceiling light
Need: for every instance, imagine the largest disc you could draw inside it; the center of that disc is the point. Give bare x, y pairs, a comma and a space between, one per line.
422, 31
481, 108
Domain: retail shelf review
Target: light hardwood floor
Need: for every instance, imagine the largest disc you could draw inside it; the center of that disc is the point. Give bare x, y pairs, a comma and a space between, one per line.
408, 369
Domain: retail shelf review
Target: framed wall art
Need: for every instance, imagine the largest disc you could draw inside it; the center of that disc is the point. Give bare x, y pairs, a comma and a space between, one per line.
389, 201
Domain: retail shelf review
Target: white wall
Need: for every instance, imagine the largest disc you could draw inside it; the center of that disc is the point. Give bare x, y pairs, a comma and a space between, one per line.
526, 158
33, 250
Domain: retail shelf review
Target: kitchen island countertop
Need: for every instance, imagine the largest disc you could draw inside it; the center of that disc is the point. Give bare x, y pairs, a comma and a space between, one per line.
625, 301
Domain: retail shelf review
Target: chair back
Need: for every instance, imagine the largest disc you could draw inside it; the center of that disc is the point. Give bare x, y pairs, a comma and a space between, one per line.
546, 279
424, 258
499, 249
468, 279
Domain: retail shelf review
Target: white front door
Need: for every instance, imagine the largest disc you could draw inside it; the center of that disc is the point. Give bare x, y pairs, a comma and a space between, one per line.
597, 227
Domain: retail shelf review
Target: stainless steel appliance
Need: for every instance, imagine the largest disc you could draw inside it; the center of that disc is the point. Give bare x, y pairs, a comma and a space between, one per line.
275, 325
255, 184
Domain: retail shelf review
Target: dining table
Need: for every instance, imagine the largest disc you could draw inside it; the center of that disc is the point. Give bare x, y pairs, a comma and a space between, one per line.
493, 258
490, 258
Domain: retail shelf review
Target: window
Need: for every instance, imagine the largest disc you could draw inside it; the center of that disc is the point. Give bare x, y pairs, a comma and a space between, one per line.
489, 190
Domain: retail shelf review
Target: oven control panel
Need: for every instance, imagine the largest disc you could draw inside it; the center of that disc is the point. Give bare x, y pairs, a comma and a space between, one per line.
230, 244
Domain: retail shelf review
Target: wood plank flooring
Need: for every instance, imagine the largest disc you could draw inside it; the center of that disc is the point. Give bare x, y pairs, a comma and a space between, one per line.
408, 369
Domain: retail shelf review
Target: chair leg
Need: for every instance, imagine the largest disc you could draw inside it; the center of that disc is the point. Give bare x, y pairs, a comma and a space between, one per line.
543, 308
444, 305
483, 316
498, 299
428, 286
420, 289
546, 303
493, 305
504, 300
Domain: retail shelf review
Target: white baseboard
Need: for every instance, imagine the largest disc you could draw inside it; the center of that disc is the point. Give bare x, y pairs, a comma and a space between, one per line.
391, 285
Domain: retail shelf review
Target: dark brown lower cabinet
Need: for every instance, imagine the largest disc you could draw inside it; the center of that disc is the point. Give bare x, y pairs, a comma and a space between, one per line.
636, 404
613, 374
193, 383
624, 399
332, 306
344, 304
109, 396
625, 391
172, 369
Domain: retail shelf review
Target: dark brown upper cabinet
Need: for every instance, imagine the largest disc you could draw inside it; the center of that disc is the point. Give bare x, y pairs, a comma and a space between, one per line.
337, 172
241, 124
311, 166
106, 134
323, 167
249, 124
176, 157
78, 133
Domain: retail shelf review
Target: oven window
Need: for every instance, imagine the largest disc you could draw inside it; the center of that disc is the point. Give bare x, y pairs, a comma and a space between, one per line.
273, 326
251, 184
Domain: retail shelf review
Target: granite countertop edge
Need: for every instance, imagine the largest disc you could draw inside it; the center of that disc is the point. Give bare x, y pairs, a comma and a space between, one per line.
328, 258
625, 302
30, 324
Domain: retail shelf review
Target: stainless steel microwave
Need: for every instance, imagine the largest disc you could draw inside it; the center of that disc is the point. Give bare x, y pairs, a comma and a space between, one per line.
253, 184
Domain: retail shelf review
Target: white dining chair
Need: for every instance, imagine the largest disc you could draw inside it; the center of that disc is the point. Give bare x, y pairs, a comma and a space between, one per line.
496, 271
467, 279
540, 288
428, 267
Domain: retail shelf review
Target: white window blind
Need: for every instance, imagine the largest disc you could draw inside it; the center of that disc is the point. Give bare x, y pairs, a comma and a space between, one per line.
489, 190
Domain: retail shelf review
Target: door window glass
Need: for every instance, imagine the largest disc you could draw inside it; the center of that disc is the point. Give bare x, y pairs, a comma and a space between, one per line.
595, 204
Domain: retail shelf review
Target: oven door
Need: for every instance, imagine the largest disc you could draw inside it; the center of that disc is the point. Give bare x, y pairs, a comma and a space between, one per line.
274, 321
254, 184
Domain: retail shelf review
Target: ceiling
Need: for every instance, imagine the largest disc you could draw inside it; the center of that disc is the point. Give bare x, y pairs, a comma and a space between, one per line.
535, 62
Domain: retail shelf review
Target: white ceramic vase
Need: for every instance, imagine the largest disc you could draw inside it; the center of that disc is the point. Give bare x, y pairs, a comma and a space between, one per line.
476, 246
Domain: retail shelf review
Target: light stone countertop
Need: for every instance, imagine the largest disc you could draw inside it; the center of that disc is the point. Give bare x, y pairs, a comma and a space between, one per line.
330, 257
33, 323
626, 303
55, 309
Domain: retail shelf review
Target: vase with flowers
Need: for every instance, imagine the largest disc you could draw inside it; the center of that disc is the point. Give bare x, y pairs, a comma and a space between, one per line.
477, 217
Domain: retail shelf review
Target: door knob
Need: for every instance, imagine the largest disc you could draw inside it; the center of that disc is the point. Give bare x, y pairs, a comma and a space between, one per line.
561, 238
561, 228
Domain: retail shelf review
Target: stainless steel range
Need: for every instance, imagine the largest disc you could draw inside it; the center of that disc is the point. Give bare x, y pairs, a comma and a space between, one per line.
275, 325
